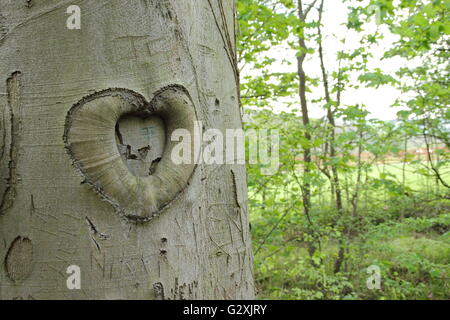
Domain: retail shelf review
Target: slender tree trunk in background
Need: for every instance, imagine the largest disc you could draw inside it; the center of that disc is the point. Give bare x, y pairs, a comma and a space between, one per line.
330, 116
405, 158
430, 163
305, 115
306, 188
356, 193
336, 188
199, 245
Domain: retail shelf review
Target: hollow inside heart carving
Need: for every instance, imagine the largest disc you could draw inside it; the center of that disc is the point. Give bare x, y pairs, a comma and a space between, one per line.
90, 140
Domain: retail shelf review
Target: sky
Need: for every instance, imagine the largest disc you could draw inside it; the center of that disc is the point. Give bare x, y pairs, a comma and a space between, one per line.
378, 101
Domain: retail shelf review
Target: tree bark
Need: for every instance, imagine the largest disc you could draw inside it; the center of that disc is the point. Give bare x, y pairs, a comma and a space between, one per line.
193, 241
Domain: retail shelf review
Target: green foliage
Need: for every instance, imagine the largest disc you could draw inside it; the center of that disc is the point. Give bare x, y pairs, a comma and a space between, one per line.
377, 78
394, 208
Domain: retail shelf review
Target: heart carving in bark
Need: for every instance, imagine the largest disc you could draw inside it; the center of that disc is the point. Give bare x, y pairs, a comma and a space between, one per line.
90, 140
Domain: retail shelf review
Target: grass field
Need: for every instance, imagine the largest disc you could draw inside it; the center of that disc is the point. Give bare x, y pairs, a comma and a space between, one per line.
405, 235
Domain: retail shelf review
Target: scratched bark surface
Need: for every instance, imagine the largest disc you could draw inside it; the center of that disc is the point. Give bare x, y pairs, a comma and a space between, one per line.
199, 246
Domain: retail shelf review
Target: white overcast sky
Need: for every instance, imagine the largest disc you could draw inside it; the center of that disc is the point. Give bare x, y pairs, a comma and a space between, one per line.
377, 101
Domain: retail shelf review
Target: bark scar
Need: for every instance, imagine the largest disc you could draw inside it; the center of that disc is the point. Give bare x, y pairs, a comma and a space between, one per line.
11, 142
90, 140
19, 258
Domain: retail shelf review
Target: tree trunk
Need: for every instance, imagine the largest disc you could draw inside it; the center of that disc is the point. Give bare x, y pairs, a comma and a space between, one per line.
307, 158
87, 177
306, 189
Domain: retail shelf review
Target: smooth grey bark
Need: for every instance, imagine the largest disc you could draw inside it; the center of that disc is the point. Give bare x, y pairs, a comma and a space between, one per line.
199, 246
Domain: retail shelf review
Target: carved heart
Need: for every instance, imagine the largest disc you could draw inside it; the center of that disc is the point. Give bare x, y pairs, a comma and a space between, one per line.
89, 137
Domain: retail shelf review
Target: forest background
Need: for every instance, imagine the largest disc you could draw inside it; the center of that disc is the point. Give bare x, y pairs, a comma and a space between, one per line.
358, 91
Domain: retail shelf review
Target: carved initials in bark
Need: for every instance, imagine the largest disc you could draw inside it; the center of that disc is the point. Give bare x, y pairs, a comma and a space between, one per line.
91, 143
